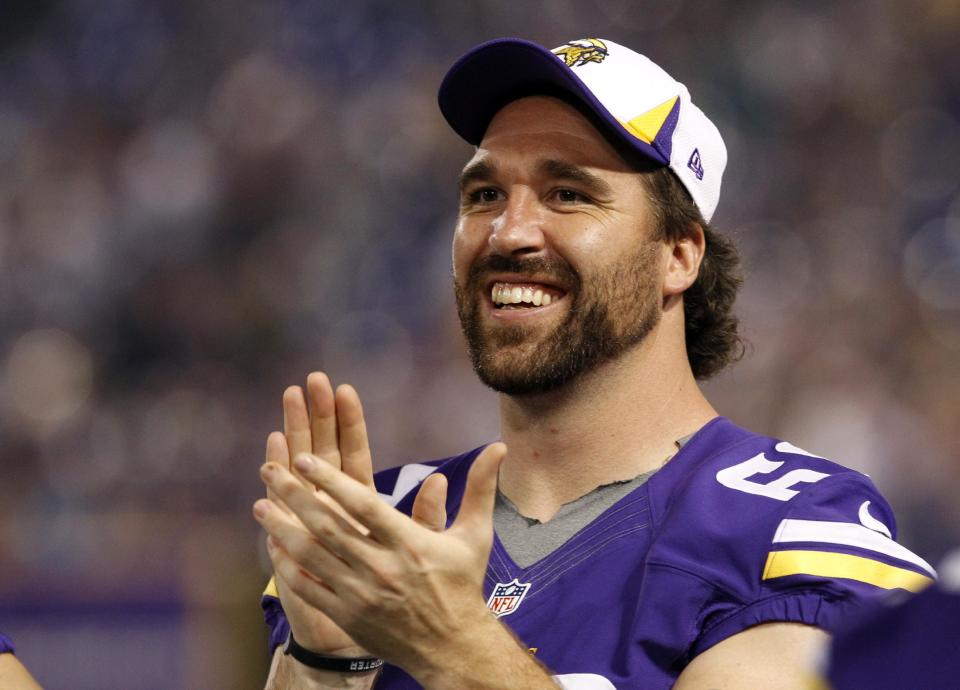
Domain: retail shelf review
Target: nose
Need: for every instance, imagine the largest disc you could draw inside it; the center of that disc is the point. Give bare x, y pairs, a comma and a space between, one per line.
519, 229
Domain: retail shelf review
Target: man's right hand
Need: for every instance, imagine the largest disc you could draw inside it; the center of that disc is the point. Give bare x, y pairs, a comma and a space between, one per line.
325, 424
331, 426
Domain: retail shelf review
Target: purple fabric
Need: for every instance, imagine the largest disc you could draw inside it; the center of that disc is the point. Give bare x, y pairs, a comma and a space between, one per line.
276, 621
675, 566
6, 645
914, 644
664, 139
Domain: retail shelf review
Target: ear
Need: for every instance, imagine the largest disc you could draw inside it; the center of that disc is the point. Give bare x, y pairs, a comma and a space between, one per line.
683, 264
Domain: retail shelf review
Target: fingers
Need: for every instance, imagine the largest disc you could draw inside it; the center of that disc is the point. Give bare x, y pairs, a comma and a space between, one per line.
476, 509
299, 543
352, 434
277, 452
331, 427
277, 449
323, 419
323, 522
430, 505
365, 506
292, 577
296, 423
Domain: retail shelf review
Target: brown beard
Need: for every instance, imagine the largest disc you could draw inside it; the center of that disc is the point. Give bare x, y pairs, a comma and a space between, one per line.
610, 313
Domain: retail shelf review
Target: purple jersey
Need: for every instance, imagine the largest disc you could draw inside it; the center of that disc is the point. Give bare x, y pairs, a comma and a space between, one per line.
736, 530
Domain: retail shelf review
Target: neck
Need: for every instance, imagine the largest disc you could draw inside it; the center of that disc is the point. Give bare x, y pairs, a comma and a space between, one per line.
612, 423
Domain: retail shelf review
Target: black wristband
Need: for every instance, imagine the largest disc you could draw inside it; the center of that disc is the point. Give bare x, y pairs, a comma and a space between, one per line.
343, 664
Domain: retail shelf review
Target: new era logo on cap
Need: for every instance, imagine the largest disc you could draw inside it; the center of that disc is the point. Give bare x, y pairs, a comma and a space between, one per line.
645, 108
695, 165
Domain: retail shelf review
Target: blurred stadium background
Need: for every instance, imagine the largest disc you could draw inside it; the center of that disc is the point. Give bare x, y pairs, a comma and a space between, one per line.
200, 202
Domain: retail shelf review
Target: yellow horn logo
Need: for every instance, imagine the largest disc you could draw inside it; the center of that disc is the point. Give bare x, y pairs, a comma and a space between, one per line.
582, 51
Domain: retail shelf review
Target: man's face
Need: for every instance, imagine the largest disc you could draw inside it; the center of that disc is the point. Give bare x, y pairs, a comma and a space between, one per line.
555, 268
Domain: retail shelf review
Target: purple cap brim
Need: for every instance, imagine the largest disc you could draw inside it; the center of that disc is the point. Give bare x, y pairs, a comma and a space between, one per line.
500, 71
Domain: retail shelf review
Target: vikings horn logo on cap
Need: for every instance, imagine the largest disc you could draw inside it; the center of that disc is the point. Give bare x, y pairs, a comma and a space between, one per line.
582, 51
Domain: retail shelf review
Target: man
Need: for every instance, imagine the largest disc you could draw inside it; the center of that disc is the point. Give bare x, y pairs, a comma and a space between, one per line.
641, 540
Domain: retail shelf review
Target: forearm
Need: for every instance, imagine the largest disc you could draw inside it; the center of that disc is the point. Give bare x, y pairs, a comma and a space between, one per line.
286, 673
490, 658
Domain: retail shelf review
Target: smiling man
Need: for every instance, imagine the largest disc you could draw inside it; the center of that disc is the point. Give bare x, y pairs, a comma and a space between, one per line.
623, 534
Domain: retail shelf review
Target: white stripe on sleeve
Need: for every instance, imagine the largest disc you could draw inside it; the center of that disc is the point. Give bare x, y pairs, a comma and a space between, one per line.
847, 534
583, 681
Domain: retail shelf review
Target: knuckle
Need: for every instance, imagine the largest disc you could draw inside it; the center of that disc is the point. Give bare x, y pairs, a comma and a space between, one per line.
367, 509
296, 549
283, 483
416, 558
291, 577
331, 456
365, 599
383, 575
323, 530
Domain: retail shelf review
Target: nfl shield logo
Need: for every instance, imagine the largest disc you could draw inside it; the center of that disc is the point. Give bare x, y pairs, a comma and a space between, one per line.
505, 598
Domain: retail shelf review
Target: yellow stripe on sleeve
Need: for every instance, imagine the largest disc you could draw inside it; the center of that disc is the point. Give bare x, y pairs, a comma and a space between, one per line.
271, 589
827, 564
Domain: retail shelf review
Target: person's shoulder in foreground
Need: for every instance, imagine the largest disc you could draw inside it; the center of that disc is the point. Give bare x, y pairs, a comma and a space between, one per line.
902, 643
13, 674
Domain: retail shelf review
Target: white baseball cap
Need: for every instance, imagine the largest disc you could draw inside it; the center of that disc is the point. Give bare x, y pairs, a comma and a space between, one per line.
641, 105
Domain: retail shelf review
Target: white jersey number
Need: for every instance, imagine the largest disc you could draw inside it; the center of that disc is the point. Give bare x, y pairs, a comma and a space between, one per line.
780, 489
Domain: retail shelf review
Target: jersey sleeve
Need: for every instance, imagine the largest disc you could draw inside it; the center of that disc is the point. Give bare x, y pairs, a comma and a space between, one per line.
831, 554
6, 645
276, 620
781, 536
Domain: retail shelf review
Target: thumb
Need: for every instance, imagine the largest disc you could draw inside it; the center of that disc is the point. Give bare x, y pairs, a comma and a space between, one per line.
430, 505
476, 509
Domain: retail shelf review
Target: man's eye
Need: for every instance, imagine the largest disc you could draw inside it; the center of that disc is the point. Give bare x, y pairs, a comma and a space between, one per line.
568, 196
485, 195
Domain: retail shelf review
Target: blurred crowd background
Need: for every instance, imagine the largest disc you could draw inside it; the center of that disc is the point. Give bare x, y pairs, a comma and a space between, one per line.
201, 202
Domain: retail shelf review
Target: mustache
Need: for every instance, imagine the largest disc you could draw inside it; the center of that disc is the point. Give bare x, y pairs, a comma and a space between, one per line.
556, 270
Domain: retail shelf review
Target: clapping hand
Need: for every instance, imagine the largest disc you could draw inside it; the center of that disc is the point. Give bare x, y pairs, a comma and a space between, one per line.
355, 575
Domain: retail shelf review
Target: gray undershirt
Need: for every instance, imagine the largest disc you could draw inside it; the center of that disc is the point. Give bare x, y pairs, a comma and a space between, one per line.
527, 540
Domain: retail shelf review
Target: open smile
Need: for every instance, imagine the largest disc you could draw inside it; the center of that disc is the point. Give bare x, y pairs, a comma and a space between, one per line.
509, 298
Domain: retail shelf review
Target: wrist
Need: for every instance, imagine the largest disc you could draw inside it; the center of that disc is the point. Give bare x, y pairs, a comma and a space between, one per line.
338, 663
286, 673
465, 661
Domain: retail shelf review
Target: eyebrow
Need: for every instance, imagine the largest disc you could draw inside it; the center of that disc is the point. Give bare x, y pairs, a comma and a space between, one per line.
478, 171
483, 171
574, 173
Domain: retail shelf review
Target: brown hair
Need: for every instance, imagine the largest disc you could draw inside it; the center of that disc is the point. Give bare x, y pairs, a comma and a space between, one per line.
711, 326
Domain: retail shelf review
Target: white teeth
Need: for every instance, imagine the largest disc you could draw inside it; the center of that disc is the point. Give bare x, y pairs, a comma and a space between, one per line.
504, 293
